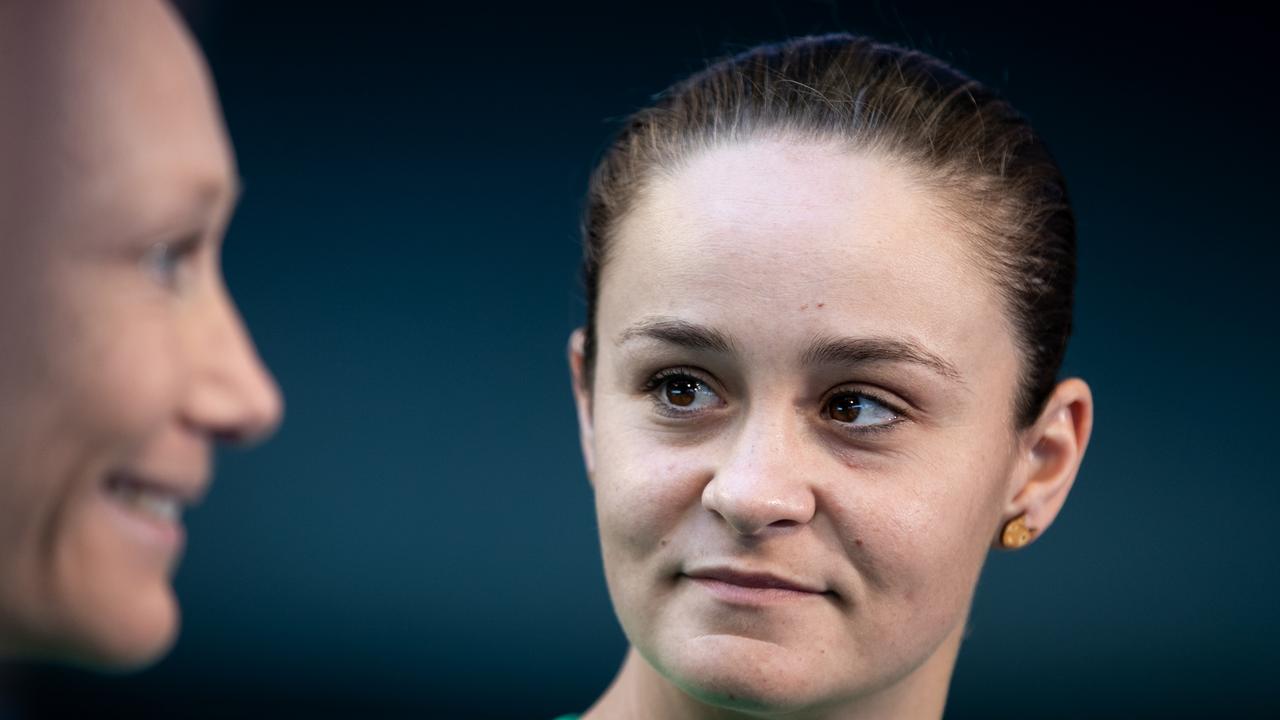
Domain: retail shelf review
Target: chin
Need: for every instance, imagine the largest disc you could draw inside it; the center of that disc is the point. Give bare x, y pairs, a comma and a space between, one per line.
121, 631
745, 674
110, 604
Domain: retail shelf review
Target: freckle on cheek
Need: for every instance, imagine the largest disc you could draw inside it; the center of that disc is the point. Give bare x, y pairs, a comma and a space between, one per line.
822, 304
857, 541
805, 306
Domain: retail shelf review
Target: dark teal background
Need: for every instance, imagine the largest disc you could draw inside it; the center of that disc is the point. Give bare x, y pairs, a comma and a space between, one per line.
418, 540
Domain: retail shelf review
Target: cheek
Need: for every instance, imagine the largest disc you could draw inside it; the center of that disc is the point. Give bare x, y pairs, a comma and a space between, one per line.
128, 373
918, 534
643, 489
98, 378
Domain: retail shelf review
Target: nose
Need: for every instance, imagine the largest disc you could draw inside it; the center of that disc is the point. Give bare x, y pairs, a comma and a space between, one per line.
233, 397
761, 484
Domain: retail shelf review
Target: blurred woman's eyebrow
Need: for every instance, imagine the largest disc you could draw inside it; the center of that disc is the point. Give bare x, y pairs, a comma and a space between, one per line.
681, 333
860, 350
192, 210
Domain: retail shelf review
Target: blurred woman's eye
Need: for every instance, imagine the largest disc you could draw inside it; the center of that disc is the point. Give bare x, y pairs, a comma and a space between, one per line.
678, 392
861, 411
165, 262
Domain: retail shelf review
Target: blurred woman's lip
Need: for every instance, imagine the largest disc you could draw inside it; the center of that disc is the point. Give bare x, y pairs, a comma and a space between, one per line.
150, 510
186, 491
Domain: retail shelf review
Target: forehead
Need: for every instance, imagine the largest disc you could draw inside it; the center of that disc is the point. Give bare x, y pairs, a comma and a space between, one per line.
109, 113
779, 240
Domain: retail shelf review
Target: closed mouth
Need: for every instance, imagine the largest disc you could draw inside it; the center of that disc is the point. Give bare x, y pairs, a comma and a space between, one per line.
754, 580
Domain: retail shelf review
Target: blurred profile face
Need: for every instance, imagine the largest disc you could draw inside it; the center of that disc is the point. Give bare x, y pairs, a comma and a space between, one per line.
800, 429
123, 358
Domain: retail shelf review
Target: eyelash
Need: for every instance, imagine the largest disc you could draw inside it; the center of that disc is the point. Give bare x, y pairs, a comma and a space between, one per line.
659, 380
176, 253
898, 415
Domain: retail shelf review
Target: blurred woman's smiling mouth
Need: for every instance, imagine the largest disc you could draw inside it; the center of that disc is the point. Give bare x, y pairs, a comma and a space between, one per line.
151, 506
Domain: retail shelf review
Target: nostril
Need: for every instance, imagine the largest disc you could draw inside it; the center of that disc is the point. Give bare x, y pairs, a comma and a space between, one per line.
244, 420
233, 436
783, 523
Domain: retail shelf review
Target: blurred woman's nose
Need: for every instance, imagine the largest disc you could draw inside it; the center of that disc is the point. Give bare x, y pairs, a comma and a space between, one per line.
762, 483
234, 397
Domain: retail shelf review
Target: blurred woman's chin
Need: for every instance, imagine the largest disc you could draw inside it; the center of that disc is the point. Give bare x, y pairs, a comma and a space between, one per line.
110, 604
122, 633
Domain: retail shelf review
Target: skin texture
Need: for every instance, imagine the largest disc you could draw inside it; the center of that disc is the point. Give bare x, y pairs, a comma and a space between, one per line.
123, 355
768, 248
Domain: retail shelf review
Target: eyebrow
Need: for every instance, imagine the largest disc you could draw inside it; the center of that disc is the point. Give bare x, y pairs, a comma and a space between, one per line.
678, 332
821, 351
855, 351
208, 199
216, 201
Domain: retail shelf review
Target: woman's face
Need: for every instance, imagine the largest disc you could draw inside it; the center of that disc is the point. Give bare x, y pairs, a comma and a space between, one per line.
800, 427
123, 358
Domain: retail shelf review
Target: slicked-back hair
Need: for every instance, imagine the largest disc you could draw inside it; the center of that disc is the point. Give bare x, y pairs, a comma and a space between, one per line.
955, 136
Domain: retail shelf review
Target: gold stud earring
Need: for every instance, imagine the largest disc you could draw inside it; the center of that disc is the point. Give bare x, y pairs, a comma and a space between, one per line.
1016, 533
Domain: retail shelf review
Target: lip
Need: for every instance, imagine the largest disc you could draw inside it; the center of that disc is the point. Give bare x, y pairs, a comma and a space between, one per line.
189, 489
744, 587
163, 535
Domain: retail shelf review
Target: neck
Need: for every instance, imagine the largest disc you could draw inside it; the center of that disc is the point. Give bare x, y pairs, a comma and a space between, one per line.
639, 692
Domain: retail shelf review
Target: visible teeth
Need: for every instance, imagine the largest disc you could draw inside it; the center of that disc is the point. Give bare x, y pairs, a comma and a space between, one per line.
162, 507
156, 503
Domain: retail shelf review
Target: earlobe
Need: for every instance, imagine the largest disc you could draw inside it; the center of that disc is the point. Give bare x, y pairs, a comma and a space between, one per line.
582, 399
1050, 455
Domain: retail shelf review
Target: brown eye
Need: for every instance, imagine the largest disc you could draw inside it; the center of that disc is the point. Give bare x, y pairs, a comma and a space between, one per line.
860, 411
679, 394
682, 392
845, 408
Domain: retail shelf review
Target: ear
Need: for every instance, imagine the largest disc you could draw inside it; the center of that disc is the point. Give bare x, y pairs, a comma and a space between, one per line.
1050, 452
582, 399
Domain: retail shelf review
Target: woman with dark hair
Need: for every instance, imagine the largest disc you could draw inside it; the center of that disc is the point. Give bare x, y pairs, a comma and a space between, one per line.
829, 290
